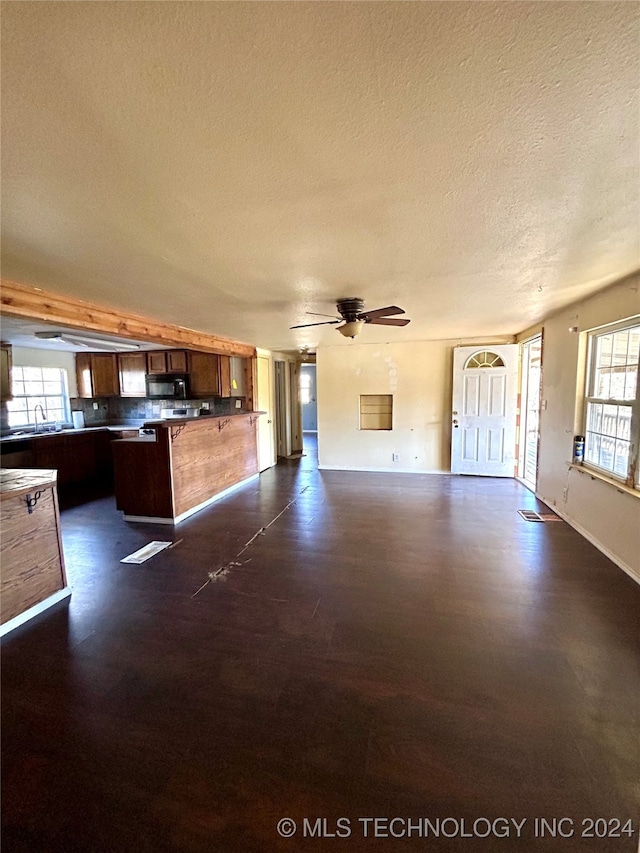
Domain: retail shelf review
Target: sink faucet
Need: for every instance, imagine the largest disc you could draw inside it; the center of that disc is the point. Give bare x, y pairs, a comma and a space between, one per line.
35, 415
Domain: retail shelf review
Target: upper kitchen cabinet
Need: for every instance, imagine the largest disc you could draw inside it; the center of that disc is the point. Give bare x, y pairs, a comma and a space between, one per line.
132, 368
204, 375
224, 371
97, 374
167, 361
5, 371
237, 373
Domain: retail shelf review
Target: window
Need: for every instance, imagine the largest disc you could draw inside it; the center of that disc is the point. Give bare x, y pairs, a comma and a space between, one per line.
376, 411
484, 359
305, 387
612, 415
38, 386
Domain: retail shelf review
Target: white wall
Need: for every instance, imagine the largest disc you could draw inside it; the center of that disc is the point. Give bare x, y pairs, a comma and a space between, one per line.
32, 357
418, 374
607, 515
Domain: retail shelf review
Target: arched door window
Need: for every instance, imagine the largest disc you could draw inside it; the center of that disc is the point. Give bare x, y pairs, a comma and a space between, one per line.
486, 358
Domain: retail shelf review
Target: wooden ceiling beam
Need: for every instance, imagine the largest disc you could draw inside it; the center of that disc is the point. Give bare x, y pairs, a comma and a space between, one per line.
33, 303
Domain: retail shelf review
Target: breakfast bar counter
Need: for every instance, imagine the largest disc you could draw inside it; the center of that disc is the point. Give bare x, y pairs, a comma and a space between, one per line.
184, 465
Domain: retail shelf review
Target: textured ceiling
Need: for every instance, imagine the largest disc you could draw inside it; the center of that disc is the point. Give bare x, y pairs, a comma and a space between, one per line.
229, 166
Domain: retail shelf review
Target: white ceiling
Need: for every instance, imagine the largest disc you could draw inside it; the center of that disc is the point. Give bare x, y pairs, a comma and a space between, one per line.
229, 166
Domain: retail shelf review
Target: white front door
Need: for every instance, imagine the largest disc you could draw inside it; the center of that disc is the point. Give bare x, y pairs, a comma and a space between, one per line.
483, 419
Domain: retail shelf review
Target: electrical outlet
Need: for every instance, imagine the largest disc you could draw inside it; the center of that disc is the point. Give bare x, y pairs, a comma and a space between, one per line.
396, 457
238, 404
565, 492
205, 406
95, 407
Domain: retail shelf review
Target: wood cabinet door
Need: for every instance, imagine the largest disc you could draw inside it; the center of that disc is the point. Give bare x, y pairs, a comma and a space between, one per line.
204, 378
81, 458
132, 368
83, 375
224, 369
156, 362
237, 376
103, 455
176, 361
52, 452
104, 374
5, 372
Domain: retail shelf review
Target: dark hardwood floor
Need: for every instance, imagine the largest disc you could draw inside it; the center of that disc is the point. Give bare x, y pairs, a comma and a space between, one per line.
392, 646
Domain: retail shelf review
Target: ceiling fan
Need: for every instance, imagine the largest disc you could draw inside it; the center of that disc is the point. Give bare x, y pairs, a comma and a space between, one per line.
354, 317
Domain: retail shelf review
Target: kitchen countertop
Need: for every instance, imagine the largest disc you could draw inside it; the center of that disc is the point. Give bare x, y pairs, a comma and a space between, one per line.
68, 431
20, 481
162, 422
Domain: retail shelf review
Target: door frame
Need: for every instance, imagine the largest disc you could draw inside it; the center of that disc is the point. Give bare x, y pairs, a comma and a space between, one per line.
264, 463
523, 390
509, 352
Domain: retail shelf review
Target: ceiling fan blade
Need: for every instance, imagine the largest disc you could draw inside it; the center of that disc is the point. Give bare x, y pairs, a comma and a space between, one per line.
326, 323
380, 312
315, 314
387, 321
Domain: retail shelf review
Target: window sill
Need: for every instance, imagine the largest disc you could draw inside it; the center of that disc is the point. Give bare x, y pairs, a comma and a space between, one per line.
598, 475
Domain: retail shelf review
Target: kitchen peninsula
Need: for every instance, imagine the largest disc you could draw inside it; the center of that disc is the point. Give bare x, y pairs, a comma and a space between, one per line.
184, 465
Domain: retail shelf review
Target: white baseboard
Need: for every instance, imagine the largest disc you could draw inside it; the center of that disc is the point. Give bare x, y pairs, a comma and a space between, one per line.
590, 538
149, 519
146, 519
379, 470
21, 618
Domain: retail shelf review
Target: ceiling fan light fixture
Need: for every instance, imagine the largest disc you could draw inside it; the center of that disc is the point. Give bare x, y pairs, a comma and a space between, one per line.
350, 330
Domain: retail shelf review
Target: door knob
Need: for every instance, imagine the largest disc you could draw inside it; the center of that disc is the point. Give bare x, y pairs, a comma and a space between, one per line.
455, 422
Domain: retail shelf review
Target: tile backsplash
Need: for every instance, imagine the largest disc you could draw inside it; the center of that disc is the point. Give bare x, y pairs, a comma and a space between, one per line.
123, 409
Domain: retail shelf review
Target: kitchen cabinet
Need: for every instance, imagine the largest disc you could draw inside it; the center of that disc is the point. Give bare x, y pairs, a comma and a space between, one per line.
132, 368
51, 451
224, 372
5, 371
176, 361
167, 361
237, 370
17, 454
80, 453
97, 374
156, 363
78, 457
204, 376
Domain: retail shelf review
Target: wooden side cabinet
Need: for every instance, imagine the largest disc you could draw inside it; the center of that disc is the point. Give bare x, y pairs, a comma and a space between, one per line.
97, 374
32, 559
132, 369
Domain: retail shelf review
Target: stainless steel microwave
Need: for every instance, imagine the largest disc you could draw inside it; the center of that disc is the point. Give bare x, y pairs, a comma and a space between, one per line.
167, 387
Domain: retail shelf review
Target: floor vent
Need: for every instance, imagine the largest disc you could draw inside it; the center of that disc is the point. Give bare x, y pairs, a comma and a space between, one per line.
530, 515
